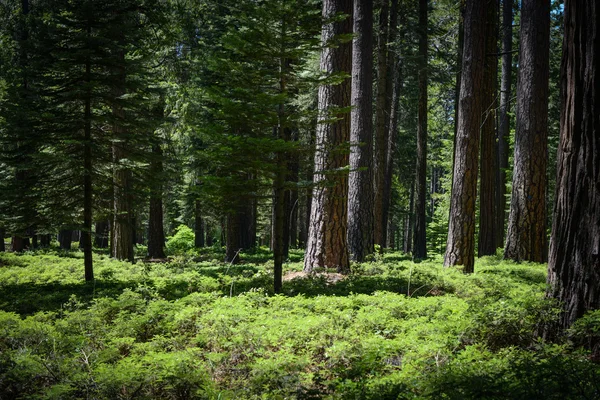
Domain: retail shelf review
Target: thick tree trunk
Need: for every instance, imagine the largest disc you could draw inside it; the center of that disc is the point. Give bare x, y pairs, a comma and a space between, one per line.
420, 236
381, 122
574, 259
460, 246
156, 231
360, 181
487, 181
504, 119
327, 240
526, 238
198, 226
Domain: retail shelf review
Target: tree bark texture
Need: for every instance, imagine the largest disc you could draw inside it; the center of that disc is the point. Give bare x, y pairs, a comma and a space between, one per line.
420, 235
574, 258
460, 245
526, 238
65, 239
381, 122
360, 181
409, 222
504, 119
488, 164
327, 240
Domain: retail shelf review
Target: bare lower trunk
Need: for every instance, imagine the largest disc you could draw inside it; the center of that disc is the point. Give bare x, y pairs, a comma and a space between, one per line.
574, 259
460, 246
327, 240
526, 238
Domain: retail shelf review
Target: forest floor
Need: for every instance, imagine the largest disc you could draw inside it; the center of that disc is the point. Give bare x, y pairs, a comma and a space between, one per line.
198, 328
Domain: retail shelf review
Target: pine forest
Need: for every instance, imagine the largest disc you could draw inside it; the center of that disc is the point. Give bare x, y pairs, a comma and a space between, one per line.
299, 199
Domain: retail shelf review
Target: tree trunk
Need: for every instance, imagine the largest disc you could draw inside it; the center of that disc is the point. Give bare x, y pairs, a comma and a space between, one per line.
408, 229
209, 234
327, 240
360, 180
292, 212
101, 238
381, 122
487, 180
526, 238
233, 238
198, 226
574, 259
420, 236
45, 240
86, 232
460, 246
156, 231
65, 239
504, 126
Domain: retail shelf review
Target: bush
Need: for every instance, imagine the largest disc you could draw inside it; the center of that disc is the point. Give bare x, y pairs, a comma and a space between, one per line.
182, 242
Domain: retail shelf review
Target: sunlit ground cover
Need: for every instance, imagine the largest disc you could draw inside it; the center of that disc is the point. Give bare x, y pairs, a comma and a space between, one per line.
195, 327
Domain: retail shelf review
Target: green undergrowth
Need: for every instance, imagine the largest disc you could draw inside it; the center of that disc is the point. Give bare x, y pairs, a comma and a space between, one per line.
197, 328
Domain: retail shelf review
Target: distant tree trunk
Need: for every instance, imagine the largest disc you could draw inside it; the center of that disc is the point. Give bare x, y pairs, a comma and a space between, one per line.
199, 226
17, 244
420, 235
526, 237
488, 165
292, 212
408, 229
460, 246
209, 234
504, 126
459, 60
65, 239
574, 259
247, 224
389, 92
86, 233
101, 238
156, 231
360, 181
327, 241
233, 239
45, 240
381, 122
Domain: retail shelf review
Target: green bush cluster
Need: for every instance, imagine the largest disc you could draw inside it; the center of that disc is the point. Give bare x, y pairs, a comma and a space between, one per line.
207, 330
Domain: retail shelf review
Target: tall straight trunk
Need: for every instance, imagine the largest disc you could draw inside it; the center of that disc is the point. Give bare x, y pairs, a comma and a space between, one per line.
408, 229
156, 231
208, 228
526, 236
460, 246
381, 121
360, 181
122, 227
198, 225
281, 199
574, 259
459, 58
390, 132
101, 237
327, 241
487, 181
420, 236
86, 232
293, 204
504, 117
